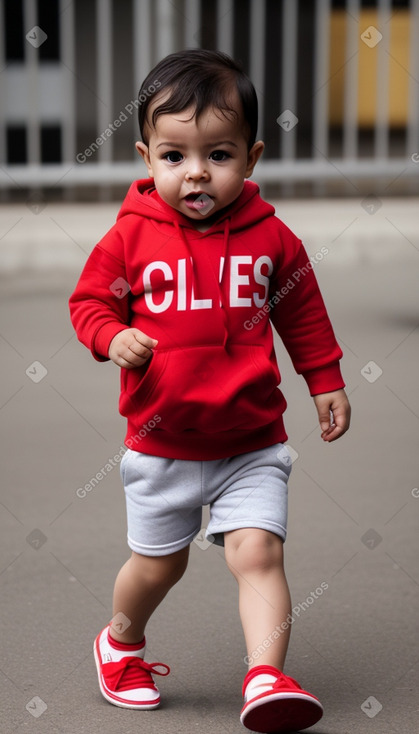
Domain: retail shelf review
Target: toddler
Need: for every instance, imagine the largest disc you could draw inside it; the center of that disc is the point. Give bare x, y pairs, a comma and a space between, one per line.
181, 294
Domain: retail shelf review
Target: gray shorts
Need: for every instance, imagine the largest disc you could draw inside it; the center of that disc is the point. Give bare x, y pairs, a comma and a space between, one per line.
165, 497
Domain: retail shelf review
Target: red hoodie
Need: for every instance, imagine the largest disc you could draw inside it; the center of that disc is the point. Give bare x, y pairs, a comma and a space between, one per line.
210, 390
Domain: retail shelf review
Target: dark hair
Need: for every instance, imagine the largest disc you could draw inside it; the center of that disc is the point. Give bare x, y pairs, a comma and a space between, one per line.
198, 78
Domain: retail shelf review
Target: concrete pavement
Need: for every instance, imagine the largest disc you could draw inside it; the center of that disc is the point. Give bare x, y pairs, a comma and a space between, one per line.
354, 505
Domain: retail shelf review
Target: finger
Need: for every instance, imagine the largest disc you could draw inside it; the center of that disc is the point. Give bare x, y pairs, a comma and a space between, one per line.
326, 420
132, 354
130, 362
139, 350
332, 433
144, 340
137, 360
336, 429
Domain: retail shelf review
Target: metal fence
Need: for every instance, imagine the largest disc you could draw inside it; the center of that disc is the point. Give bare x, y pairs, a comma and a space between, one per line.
337, 84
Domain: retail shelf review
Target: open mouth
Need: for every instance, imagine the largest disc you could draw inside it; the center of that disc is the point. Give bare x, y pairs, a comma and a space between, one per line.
199, 201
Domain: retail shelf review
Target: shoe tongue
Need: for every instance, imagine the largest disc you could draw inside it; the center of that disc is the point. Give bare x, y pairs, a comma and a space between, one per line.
259, 684
128, 674
268, 672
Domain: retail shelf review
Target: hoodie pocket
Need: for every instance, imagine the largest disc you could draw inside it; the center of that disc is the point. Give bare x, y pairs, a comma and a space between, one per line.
138, 385
206, 389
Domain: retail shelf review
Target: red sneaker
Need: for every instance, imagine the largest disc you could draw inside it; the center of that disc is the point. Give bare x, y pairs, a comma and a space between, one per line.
124, 677
275, 703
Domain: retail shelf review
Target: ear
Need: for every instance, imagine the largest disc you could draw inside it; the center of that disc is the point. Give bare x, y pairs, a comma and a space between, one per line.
143, 151
253, 156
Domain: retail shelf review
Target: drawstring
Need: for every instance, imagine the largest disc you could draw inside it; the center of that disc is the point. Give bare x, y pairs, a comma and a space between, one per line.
226, 235
182, 236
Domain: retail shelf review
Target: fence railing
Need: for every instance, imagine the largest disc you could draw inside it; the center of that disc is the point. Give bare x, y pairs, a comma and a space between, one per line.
338, 87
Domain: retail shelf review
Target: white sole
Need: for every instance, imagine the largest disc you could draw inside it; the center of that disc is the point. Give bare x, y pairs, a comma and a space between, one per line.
122, 704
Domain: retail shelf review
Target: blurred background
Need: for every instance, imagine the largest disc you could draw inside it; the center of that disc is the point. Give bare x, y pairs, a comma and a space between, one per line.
336, 81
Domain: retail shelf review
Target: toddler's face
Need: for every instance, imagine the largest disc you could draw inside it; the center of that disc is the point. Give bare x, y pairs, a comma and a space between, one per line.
198, 167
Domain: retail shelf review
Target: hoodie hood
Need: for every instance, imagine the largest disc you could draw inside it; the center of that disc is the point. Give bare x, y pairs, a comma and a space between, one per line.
248, 209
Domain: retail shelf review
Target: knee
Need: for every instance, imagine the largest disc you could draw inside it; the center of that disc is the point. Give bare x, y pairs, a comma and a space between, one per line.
179, 565
253, 550
162, 571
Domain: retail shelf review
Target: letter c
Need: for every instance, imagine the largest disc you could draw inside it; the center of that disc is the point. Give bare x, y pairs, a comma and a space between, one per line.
148, 293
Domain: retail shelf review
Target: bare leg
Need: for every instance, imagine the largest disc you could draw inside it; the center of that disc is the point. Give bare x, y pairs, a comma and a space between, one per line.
141, 585
255, 558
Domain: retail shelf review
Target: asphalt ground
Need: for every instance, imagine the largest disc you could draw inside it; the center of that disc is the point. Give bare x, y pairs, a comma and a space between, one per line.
354, 505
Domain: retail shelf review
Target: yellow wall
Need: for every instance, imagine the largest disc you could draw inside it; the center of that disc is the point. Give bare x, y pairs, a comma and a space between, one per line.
398, 64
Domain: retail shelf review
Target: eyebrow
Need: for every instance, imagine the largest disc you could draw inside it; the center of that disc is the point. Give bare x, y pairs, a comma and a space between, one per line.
209, 145
223, 142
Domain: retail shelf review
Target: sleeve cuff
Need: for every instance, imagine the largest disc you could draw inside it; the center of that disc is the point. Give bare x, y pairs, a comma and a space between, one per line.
103, 338
324, 379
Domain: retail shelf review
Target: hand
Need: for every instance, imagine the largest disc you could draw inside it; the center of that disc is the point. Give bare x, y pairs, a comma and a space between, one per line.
334, 414
131, 348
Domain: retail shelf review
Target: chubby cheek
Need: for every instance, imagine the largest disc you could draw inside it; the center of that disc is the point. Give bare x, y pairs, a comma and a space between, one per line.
170, 187
165, 179
232, 185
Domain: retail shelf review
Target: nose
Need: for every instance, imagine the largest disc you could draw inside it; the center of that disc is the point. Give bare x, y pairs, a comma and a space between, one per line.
197, 170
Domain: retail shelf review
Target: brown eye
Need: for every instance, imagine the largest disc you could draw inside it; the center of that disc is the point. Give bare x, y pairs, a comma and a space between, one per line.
173, 156
219, 155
